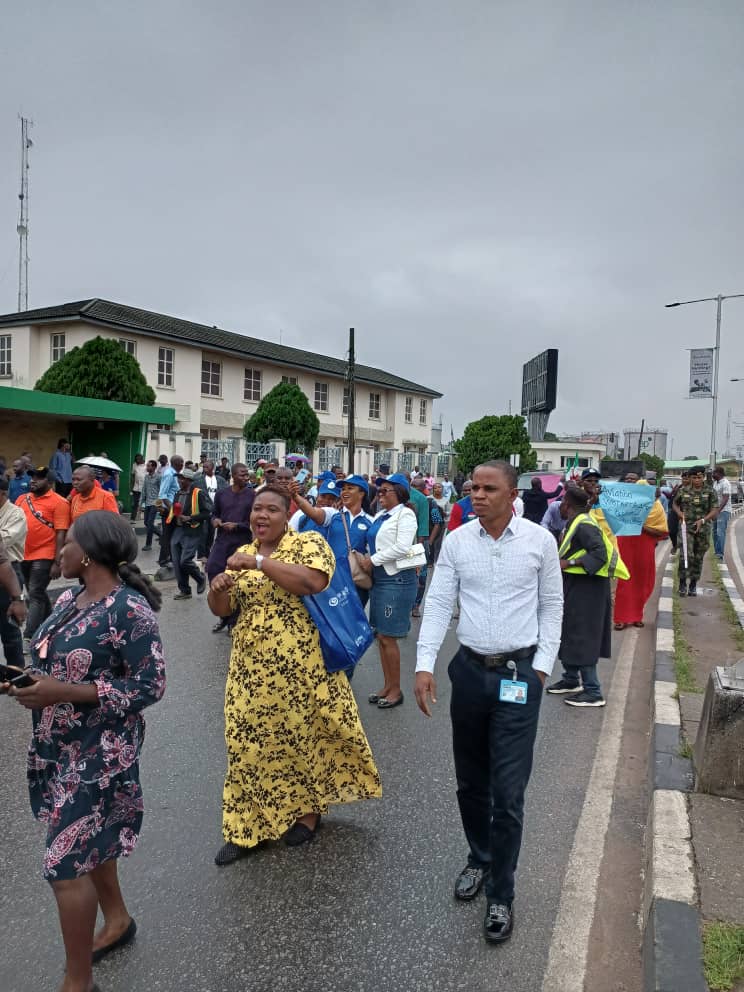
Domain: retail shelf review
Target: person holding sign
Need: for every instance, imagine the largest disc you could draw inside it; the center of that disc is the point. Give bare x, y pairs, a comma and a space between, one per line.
639, 554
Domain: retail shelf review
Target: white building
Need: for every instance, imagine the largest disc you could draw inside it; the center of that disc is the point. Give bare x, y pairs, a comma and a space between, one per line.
215, 379
557, 456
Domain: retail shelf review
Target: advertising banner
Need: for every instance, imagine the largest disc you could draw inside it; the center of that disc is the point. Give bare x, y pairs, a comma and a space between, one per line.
701, 373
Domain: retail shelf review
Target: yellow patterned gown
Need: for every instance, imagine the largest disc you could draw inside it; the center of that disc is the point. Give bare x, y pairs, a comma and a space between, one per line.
295, 742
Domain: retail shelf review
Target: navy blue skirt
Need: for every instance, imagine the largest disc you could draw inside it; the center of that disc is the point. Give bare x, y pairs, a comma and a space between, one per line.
391, 601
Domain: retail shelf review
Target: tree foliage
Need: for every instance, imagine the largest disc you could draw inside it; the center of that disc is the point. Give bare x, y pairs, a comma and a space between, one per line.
653, 463
550, 436
285, 413
100, 370
495, 437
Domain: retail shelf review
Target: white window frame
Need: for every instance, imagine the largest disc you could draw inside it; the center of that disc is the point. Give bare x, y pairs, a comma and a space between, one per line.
6, 356
409, 410
211, 377
210, 433
57, 346
252, 385
375, 400
423, 412
320, 401
166, 367
290, 379
129, 346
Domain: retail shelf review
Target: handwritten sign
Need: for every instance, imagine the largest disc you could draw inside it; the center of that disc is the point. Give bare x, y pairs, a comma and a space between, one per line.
626, 506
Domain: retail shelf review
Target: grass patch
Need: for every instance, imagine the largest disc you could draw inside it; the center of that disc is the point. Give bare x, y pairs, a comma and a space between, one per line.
723, 955
728, 606
683, 660
685, 749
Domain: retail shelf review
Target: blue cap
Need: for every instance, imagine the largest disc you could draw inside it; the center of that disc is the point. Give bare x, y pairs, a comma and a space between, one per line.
400, 480
329, 487
330, 476
356, 480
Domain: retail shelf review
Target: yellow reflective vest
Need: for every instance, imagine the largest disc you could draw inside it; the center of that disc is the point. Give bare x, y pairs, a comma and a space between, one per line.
613, 568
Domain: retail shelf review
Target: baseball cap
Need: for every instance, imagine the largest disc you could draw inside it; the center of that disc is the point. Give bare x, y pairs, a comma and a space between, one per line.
42, 472
356, 480
329, 487
399, 479
590, 471
186, 473
331, 476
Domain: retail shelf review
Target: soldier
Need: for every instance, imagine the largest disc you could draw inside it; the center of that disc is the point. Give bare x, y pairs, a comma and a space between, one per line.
695, 505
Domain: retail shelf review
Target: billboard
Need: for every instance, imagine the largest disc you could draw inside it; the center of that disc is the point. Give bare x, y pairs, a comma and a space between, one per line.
539, 391
701, 373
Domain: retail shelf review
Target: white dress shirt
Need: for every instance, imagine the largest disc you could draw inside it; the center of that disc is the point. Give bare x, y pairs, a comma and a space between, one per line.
329, 512
723, 488
511, 593
395, 537
13, 527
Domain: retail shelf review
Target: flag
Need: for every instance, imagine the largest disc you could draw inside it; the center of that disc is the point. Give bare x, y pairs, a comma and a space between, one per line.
572, 469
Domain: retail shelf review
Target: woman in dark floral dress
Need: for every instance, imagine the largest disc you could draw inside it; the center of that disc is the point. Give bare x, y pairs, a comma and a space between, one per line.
97, 663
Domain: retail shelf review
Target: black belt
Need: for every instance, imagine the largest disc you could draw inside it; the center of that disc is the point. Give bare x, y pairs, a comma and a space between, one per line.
499, 660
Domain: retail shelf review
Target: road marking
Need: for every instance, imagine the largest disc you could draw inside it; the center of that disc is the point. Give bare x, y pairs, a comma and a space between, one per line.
666, 604
665, 639
568, 949
666, 706
672, 859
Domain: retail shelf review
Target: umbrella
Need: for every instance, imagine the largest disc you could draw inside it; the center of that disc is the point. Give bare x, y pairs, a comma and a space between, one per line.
262, 461
296, 458
95, 461
683, 533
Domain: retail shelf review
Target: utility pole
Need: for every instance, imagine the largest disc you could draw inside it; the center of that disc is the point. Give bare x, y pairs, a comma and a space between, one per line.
350, 441
22, 225
640, 436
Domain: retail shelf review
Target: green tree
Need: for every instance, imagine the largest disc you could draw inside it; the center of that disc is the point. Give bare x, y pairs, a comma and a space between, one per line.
495, 437
550, 436
284, 413
653, 463
101, 370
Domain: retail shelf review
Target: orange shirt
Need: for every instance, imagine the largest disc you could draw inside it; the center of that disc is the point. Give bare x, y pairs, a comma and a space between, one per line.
41, 538
99, 499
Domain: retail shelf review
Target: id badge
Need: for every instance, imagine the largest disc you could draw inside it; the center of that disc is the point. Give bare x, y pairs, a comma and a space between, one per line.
512, 692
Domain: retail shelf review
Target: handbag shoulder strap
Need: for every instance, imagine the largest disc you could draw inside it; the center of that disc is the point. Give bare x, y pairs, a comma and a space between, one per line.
345, 522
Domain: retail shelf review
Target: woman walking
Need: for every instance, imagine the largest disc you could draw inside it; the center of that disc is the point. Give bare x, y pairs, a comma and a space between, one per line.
97, 663
295, 743
639, 554
393, 594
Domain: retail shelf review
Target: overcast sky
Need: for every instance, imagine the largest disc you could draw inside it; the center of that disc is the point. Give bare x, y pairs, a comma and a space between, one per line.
466, 183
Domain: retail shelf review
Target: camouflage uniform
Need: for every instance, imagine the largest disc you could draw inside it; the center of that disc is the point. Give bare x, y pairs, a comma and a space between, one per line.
695, 504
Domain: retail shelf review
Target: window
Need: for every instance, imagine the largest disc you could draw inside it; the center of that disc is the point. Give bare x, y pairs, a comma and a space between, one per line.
374, 406
211, 378
422, 412
345, 410
291, 379
6, 365
210, 434
165, 367
58, 347
409, 409
321, 397
129, 346
568, 460
252, 385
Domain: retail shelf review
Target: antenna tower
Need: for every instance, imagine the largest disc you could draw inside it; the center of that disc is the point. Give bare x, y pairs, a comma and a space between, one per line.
22, 226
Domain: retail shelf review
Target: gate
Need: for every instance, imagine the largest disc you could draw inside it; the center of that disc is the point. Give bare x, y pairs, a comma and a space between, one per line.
328, 457
228, 448
254, 451
406, 461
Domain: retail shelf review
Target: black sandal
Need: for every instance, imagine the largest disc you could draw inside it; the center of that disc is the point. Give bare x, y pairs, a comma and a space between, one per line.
230, 852
300, 833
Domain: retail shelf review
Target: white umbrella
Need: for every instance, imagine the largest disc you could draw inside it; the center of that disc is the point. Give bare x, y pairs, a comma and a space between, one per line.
95, 461
683, 534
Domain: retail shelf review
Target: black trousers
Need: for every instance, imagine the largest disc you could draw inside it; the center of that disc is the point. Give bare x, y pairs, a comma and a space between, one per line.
165, 539
10, 633
36, 578
493, 743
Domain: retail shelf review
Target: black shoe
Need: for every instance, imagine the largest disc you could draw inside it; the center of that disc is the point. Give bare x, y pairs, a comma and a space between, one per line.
682, 589
585, 699
499, 922
147, 547
561, 687
301, 834
183, 595
201, 585
219, 626
125, 939
693, 589
469, 883
231, 852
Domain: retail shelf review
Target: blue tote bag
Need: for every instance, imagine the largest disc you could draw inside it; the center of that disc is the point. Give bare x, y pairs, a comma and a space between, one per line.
341, 621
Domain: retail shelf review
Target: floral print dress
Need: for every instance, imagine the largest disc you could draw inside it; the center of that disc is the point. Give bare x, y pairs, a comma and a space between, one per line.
83, 761
295, 742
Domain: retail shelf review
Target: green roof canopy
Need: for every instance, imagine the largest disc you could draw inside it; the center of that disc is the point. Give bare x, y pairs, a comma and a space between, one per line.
82, 407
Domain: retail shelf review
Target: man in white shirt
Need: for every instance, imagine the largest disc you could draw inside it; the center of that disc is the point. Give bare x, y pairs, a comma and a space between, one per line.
447, 487
13, 527
720, 524
507, 573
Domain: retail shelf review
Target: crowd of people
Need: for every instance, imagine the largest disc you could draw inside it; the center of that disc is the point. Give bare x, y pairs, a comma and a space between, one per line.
530, 580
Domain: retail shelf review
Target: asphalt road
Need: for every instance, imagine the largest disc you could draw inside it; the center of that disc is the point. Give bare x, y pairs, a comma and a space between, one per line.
368, 907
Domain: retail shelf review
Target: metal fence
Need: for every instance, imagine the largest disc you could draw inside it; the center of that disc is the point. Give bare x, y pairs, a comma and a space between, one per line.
228, 448
328, 457
254, 451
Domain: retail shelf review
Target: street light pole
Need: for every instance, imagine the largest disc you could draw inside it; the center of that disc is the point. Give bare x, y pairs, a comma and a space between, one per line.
718, 300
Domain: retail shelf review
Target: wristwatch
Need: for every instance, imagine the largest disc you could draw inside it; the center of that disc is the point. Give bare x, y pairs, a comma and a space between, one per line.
17, 599
259, 562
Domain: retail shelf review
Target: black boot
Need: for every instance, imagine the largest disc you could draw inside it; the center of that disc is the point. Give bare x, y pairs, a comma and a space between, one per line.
683, 588
693, 588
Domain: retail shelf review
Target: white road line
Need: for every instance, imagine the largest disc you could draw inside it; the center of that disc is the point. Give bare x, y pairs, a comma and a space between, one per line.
568, 949
666, 706
666, 604
674, 877
665, 639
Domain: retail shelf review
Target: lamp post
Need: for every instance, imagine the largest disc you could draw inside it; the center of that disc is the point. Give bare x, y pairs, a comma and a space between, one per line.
719, 301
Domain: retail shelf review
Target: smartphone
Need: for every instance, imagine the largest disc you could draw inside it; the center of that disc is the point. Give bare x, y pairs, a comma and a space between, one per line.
18, 677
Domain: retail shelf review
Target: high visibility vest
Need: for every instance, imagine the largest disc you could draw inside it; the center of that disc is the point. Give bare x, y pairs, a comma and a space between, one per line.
613, 568
194, 508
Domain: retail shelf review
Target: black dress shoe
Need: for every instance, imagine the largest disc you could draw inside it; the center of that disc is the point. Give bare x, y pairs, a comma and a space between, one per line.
122, 941
301, 834
231, 852
499, 922
219, 626
469, 883
693, 589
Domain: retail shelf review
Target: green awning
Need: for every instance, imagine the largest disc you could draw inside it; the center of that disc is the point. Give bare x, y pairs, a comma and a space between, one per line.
82, 407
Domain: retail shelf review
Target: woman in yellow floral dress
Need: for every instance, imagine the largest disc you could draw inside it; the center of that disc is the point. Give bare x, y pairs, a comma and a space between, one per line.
295, 743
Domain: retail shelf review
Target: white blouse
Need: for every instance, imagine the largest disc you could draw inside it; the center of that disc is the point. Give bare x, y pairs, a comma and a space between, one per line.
395, 537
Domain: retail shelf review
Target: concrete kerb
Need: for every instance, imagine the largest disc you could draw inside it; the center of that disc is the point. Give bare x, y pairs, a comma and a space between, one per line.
672, 925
